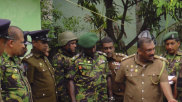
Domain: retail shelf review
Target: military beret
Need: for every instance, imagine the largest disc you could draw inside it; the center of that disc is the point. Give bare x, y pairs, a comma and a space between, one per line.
4, 25
88, 40
40, 35
170, 35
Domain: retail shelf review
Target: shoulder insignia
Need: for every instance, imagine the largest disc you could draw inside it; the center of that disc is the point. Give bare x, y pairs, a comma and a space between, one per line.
161, 58
75, 57
101, 53
120, 54
127, 57
179, 52
29, 55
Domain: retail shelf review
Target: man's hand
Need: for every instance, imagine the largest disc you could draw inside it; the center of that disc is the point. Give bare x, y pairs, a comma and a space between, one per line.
172, 100
174, 79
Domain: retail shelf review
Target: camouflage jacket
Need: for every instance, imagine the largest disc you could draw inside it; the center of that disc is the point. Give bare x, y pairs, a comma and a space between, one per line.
61, 64
15, 86
0, 83
175, 68
89, 75
175, 63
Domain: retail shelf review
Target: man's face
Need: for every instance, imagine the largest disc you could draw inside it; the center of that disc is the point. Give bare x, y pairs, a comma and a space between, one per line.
71, 46
172, 46
41, 46
2, 45
108, 48
18, 45
90, 51
146, 52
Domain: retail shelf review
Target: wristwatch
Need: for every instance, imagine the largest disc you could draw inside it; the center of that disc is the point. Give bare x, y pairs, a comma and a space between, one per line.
111, 98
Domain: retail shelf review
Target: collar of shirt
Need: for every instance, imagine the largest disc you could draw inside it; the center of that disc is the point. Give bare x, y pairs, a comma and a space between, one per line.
36, 53
137, 61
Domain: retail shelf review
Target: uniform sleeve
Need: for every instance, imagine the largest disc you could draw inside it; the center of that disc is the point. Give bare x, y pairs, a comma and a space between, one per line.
108, 71
164, 76
30, 73
71, 72
120, 75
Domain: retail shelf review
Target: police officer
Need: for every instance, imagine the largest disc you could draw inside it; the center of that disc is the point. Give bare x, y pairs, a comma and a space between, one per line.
40, 73
4, 25
174, 56
15, 86
144, 75
89, 73
114, 60
67, 47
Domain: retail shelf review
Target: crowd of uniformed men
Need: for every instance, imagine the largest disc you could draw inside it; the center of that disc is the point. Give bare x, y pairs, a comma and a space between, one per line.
87, 75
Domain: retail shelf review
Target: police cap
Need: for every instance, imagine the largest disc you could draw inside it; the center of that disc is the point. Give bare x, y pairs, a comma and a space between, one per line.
4, 25
40, 35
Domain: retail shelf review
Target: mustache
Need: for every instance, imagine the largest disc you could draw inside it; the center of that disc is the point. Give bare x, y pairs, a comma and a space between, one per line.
152, 55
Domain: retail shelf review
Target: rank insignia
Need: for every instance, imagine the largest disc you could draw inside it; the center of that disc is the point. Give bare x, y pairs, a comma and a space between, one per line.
136, 70
40, 64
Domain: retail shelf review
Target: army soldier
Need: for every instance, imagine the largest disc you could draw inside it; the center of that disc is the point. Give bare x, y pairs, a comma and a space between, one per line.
67, 42
40, 73
179, 84
4, 25
114, 60
174, 56
89, 75
15, 86
144, 75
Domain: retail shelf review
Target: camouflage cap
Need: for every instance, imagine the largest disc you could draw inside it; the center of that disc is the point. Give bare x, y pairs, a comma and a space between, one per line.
88, 40
65, 37
171, 35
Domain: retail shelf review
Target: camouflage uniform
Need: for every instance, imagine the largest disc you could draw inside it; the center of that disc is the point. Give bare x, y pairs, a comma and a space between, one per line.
15, 86
61, 64
114, 65
89, 76
175, 64
179, 86
0, 81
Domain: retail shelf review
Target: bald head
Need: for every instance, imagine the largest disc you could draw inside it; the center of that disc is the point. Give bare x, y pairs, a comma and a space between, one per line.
15, 45
15, 32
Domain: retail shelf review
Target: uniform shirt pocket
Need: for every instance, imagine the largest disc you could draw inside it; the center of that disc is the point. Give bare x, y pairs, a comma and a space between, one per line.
154, 78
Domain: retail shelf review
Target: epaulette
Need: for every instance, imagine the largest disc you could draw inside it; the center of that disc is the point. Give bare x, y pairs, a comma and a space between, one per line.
75, 57
29, 55
102, 53
179, 52
121, 55
127, 57
161, 58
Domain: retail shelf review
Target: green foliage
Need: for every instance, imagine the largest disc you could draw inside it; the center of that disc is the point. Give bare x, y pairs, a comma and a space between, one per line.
50, 19
171, 7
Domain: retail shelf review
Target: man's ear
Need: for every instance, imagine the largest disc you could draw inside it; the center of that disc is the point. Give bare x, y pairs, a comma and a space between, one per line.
10, 43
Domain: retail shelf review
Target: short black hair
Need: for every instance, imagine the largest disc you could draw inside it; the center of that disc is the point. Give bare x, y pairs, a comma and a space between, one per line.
141, 41
106, 40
